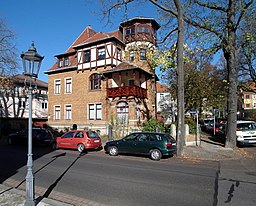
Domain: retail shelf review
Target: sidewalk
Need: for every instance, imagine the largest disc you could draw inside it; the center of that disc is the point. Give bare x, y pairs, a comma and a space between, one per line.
210, 150
12, 197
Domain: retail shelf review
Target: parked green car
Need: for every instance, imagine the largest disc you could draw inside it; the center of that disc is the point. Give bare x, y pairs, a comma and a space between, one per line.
154, 144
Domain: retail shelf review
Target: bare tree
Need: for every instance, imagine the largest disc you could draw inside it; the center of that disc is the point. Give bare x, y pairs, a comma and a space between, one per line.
8, 56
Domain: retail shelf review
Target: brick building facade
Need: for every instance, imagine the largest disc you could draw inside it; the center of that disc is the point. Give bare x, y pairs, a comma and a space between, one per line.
104, 79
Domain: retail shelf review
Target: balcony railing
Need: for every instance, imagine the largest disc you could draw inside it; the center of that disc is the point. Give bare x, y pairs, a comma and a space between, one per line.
127, 91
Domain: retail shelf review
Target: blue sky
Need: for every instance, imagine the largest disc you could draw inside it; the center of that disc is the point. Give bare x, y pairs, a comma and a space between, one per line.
55, 24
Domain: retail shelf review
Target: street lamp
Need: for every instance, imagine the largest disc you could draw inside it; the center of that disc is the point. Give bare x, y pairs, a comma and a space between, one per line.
31, 64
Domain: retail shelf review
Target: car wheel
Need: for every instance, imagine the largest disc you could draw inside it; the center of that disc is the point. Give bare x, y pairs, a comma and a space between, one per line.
155, 154
113, 151
80, 148
55, 146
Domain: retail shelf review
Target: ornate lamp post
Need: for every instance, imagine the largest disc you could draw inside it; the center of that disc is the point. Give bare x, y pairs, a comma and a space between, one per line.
31, 64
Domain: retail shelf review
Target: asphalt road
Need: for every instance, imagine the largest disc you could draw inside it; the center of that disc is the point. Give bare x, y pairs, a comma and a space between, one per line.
127, 180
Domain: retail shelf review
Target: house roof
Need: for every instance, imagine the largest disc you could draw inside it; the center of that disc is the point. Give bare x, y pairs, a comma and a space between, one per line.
161, 88
88, 36
142, 20
124, 66
98, 37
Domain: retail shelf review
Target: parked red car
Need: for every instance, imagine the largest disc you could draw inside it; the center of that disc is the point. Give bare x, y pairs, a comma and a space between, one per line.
78, 139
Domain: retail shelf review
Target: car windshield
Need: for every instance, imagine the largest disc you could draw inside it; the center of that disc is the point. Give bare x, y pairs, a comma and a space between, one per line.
246, 126
92, 134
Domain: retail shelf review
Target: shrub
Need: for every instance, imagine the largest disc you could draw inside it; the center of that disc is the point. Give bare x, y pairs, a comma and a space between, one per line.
152, 124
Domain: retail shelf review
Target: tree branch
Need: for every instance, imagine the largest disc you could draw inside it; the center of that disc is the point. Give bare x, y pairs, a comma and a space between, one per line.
166, 37
209, 6
164, 8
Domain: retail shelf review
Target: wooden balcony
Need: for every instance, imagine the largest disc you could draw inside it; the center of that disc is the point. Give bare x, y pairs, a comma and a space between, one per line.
127, 91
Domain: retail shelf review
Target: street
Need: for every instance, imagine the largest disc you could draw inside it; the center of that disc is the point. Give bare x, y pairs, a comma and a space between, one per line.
121, 180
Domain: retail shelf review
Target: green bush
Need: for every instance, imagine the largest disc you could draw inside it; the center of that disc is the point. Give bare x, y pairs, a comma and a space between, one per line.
151, 125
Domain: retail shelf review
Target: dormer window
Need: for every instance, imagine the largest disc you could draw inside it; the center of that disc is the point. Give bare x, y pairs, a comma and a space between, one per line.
66, 61
60, 62
101, 53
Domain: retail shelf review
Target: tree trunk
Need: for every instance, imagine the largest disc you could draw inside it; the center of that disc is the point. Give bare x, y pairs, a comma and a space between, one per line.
230, 56
180, 80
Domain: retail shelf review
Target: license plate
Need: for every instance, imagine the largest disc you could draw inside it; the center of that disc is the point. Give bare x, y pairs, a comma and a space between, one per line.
96, 141
174, 144
252, 141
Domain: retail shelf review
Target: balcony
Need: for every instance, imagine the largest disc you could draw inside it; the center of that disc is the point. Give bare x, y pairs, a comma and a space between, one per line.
127, 91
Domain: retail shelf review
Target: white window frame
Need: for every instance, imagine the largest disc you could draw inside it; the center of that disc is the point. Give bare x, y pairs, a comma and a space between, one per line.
57, 86
95, 111
68, 111
68, 85
66, 61
101, 53
57, 112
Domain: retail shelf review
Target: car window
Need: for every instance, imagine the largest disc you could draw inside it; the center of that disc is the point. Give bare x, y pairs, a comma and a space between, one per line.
79, 135
246, 126
158, 137
151, 137
92, 134
131, 137
142, 137
168, 137
68, 135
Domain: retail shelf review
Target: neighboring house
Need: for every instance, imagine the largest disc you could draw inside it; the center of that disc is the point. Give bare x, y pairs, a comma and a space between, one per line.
14, 98
166, 106
105, 78
249, 100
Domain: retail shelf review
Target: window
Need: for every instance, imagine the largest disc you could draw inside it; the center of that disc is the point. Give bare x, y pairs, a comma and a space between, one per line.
122, 113
95, 81
57, 112
68, 112
130, 31
22, 103
57, 86
143, 54
143, 29
254, 105
68, 85
44, 105
247, 96
119, 54
131, 82
95, 111
60, 62
254, 96
101, 53
87, 56
131, 56
247, 106
66, 61
161, 96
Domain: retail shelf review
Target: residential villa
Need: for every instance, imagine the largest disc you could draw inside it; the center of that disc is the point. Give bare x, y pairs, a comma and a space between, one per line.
104, 80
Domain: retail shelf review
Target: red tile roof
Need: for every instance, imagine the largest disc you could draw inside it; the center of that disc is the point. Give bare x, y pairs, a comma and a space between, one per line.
161, 88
